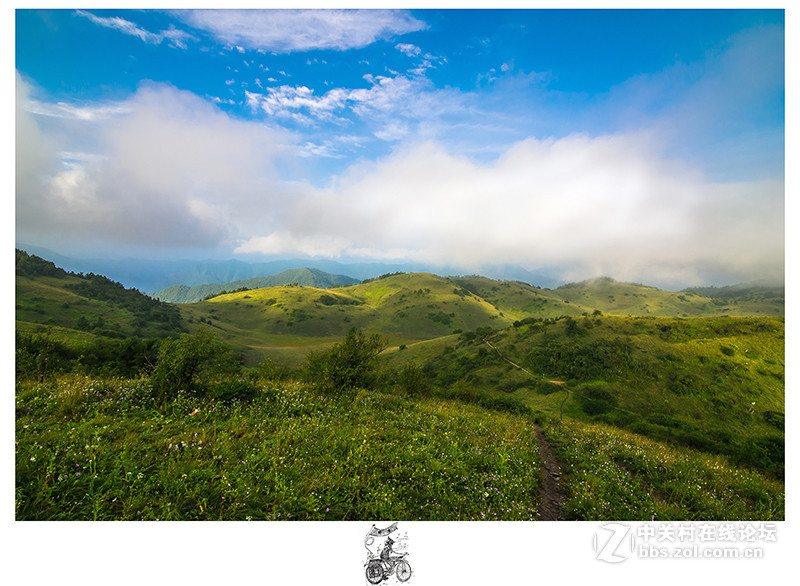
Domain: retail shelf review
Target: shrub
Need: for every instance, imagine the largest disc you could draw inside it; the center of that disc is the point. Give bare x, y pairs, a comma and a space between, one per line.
775, 418
236, 390
684, 383
412, 381
189, 360
269, 371
597, 398
462, 390
506, 404
348, 365
39, 355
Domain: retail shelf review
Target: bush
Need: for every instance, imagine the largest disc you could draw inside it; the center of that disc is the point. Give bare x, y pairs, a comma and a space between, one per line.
235, 390
269, 371
188, 361
348, 365
506, 404
413, 382
597, 398
775, 418
39, 355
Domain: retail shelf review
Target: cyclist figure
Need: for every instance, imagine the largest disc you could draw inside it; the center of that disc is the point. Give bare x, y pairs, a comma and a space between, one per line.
387, 551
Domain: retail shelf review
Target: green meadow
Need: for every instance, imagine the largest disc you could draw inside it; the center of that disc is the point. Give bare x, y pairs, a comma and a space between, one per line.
411, 396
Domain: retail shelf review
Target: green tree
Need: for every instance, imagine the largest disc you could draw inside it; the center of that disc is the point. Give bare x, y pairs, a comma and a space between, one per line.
348, 365
187, 362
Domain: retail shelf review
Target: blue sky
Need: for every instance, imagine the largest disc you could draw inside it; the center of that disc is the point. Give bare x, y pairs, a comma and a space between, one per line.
645, 145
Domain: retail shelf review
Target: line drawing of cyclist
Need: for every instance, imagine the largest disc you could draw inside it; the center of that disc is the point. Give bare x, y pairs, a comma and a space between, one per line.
387, 561
387, 550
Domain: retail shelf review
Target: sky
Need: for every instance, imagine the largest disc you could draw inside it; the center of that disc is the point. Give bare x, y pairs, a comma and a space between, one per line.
643, 145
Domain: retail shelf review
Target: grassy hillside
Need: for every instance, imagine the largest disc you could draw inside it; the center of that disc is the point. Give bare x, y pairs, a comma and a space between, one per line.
664, 417
90, 449
612, 474
100, 450
284, 323
610, 296
47, 296
306, 277
711, 383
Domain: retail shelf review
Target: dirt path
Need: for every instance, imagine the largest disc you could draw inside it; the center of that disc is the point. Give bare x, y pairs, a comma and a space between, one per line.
551, 496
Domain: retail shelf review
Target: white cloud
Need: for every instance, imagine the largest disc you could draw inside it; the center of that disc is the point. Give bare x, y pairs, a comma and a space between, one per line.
285, 31
606, 205
389, 105
79, 112
299, 103
172, 171
175, 37
408, 49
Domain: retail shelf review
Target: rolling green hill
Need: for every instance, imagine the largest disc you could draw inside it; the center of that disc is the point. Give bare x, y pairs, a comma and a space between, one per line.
613, 297
283, 323
49, 297
306, 277
610, 296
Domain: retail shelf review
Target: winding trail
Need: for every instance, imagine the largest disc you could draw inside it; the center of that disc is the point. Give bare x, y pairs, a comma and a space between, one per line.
551, 495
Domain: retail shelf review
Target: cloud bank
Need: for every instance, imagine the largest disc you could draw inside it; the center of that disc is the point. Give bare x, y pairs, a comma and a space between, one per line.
605, 206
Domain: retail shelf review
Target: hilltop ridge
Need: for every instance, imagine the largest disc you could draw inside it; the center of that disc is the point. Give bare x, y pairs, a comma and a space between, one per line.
306, 276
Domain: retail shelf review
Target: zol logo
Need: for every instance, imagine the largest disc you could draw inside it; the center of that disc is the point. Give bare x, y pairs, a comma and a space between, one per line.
613, 548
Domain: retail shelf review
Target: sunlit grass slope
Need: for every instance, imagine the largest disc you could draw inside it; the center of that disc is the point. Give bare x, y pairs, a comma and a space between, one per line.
91, 449
712, 383
404, 308
610, 474
101, 450
283, 323
614, 297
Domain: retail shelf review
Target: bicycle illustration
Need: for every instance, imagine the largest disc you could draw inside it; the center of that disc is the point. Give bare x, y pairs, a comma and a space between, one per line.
388, 562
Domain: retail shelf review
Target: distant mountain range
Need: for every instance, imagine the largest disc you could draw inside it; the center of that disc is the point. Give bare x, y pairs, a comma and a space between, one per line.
305, 276
153, 276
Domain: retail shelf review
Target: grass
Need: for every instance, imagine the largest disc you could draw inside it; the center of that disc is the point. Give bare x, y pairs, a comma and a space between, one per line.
610, 474
715, 384
89, 449
99, 450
